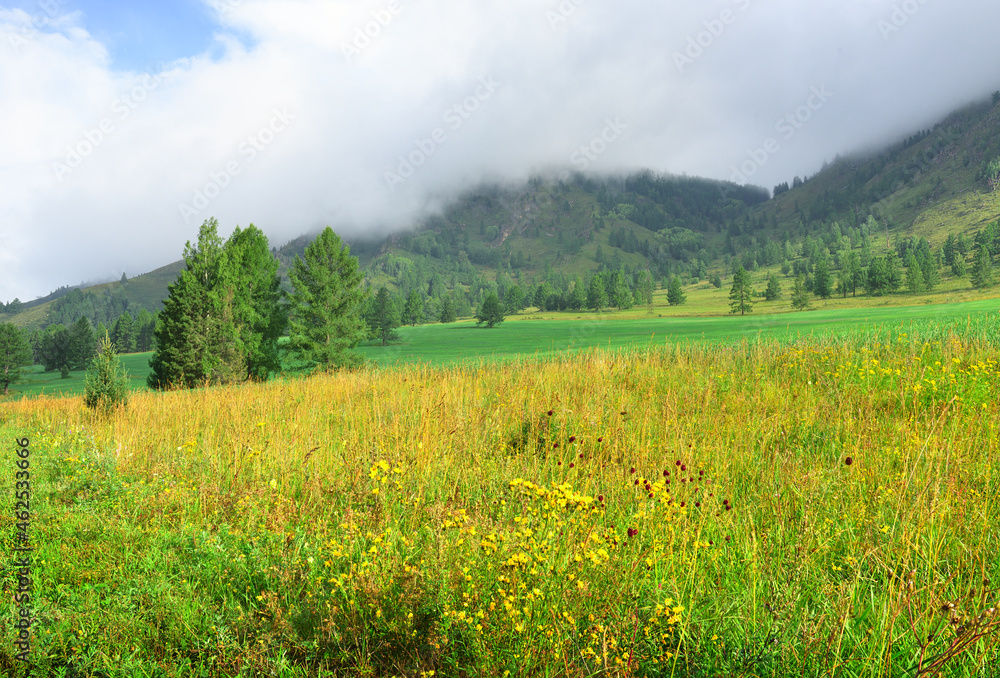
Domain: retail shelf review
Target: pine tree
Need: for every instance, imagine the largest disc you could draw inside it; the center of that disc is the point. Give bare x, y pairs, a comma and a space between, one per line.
15, 355
773, 291
982, 269
414, 309
106, 386
741, 294
490, 311
800, 295
675, 293
325, 320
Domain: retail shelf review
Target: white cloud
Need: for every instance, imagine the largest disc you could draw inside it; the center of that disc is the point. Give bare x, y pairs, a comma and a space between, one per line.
360, 84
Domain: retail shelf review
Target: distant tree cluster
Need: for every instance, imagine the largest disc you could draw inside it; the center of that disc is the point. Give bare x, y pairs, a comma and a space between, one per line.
221, 321
64, 348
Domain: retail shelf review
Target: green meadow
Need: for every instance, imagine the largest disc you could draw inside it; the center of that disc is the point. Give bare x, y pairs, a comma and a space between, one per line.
538, 335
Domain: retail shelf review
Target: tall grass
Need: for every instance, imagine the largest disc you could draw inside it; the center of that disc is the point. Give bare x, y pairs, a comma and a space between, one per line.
809, 507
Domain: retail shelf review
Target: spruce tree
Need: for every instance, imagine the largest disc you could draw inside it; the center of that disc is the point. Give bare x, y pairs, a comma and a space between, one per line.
325, 314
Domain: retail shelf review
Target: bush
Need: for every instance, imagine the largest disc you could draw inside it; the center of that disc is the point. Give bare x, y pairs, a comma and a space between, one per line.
106, 385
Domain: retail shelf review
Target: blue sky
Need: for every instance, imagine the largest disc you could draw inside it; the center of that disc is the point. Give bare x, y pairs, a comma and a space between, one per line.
125, 125
140, 36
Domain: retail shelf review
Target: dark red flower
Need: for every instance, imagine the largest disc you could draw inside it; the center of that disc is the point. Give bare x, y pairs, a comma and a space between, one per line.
848, 461
551, 412
572, 439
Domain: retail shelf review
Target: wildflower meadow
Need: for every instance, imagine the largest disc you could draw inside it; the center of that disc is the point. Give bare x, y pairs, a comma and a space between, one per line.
812, 507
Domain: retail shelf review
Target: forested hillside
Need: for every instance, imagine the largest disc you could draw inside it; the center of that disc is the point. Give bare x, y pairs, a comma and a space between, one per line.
906, 218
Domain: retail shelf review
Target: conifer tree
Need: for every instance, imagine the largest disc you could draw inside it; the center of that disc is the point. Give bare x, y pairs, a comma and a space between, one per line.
383, 316
490, 311
773, 291
448, 314
249, 270
15, 355
741, 294
325, 314
800, 295
414, 309
106, 386
982, 269
675, 293
196, 342
123, 334
597, 297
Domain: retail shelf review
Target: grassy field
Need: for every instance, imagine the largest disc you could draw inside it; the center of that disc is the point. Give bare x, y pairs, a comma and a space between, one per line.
819, 507
540, 334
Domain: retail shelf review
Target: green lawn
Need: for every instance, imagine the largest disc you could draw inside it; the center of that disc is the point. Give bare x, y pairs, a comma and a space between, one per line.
544, 334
